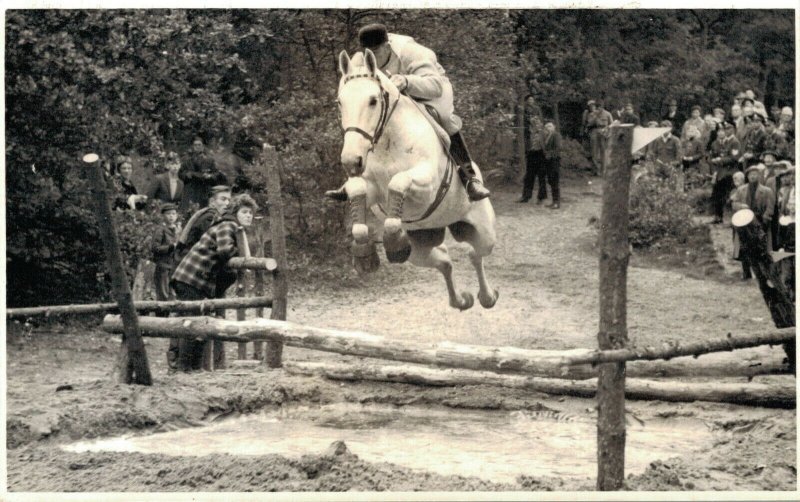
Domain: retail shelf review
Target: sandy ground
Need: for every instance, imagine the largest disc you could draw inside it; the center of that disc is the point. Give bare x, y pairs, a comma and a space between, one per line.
545, 266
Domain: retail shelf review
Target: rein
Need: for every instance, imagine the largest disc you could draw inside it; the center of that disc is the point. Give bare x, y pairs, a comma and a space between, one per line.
385, 115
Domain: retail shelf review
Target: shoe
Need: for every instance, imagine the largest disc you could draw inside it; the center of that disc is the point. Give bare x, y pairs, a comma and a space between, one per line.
539, 202
337, 195
554, 205
522, 200
476, 191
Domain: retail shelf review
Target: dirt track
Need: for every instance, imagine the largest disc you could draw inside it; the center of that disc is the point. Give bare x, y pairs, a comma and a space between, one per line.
545, 267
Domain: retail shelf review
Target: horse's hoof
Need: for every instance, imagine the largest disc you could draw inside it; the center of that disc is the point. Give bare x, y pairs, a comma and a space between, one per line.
488, 302
365, 257
467, 301
397, 246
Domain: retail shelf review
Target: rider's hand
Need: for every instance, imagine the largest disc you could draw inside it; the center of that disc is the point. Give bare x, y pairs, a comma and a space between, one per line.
399, 81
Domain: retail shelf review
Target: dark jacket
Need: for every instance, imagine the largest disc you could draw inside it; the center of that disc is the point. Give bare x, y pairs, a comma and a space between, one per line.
159, 189
122, 190
728, 152
199, 174
552, 145
164, 240
764, 202
197, 225
668, 152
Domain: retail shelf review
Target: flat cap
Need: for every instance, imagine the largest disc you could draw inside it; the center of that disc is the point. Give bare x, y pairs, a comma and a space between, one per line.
373, 35
169, 206
220, 189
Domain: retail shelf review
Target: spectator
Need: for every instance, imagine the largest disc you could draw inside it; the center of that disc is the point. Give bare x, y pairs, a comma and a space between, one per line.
759, 199
719, 114
163, 247
203, 274
247, 148
628, 116
126, 196
693, 150
775, 113
786, 123
695, 120
737, 119
675, 117
535, 163
725, 153
737, 100
770, 169
666, 151
203, 219
168, 187
775, 140
532, 109
647, 151
758, 106
755, 139
748, 109
591, 106
199, 175
711, 130
598, 121
552, 155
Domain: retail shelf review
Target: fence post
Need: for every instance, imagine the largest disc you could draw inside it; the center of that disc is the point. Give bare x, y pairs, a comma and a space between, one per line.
613, 334
280, 287
132, 365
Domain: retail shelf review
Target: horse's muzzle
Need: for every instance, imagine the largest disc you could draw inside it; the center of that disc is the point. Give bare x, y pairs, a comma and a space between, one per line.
354, 166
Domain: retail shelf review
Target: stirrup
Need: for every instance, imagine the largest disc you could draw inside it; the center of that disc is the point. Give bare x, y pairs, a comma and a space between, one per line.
475, 190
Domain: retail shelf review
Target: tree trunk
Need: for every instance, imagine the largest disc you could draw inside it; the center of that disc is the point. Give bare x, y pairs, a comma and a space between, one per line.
613, 334
252, 263
280, 285
778, 395
163, 307
132, 365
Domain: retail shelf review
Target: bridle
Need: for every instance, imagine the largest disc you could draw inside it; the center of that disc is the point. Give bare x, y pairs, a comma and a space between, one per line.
383, 118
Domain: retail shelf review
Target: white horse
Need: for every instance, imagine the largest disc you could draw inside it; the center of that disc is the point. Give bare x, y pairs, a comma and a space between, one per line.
396, 162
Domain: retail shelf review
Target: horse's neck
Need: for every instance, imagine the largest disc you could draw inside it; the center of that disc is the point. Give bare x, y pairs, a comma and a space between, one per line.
408, 138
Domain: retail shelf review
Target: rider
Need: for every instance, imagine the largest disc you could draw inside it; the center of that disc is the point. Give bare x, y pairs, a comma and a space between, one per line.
415, 71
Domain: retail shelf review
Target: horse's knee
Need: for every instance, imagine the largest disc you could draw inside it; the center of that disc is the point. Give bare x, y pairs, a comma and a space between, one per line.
400, 182
360, 233
355, 186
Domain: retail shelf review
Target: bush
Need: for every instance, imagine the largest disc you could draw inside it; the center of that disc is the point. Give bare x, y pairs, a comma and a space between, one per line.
573, 155
658, 211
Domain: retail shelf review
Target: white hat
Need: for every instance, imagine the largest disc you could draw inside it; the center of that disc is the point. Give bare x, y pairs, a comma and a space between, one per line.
786, 111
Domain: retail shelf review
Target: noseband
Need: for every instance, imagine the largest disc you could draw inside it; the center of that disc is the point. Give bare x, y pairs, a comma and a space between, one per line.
386, 111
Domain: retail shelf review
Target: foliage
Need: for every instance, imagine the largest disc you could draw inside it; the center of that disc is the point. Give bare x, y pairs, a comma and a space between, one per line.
143, 82
573, 156
658, 211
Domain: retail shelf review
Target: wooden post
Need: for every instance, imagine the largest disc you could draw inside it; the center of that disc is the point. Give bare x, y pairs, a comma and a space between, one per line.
241, 314
132, 365
613, 334
280, 286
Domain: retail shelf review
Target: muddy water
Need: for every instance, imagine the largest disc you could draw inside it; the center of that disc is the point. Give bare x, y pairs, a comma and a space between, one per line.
493, 445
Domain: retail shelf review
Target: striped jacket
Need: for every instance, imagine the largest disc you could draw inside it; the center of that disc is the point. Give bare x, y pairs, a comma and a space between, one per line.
204, 266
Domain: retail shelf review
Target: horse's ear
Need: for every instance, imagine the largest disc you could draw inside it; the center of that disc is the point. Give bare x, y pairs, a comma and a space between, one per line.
344, 62
372, 63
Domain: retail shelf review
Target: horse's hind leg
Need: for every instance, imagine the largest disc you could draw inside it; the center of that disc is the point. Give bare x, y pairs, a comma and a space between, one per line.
437, 257
482, 243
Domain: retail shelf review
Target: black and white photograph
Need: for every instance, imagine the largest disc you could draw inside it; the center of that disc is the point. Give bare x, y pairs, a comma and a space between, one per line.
483, 251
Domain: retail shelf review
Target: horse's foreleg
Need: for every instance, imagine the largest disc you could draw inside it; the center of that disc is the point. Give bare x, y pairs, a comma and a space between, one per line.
438, 258
365, 254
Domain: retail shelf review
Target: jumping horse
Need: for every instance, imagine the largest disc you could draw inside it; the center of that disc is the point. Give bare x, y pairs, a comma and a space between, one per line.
399, 168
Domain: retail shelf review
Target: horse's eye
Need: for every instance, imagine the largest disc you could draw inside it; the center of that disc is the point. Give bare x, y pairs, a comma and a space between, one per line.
373, 101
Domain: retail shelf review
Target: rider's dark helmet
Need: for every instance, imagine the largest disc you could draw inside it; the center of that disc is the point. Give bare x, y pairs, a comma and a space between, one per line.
373, 35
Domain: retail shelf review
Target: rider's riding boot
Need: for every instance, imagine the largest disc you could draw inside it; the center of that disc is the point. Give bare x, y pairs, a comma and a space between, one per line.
339, 194
458, 149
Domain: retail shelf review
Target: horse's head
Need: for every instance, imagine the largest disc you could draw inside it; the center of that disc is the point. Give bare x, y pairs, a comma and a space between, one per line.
364, 97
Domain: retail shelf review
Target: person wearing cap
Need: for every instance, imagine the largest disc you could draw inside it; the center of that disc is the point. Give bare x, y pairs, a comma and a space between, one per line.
202, 220
672, 114
755, 140
695, 120
759, 199
203, 273
725, 152
163, 246
758, 106
168, 186
415, 70
597, 122
125, 194
199, 174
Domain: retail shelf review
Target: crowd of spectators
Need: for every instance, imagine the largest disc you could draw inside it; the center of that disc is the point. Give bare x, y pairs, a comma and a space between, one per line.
190, 259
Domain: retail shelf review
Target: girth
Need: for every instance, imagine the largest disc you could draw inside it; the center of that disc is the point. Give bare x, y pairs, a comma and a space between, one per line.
444, 186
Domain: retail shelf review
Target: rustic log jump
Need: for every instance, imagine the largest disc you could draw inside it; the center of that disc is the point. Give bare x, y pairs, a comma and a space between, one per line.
160, 307
444, 354
744, 393
253, 263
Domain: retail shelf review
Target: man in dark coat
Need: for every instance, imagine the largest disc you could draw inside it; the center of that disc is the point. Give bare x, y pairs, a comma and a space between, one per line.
535, 163
552, 155
755, 141
168, 187
759, 199
199, 174
202, 220
675, 117
725, 152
